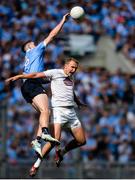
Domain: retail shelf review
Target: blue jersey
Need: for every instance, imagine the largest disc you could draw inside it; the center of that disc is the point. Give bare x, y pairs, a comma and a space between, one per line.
34, 59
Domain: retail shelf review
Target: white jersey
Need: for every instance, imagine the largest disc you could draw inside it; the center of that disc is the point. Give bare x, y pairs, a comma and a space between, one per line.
62, 88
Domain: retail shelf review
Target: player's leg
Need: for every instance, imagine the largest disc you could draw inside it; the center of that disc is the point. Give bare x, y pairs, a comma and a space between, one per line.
56, 132
77, 132
57, 135
55, 129
46, 149
36, 143
41, 102
39, 131
79, 140
58, 121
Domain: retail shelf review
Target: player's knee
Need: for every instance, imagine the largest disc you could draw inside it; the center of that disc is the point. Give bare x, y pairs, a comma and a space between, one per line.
44, 110
82, 142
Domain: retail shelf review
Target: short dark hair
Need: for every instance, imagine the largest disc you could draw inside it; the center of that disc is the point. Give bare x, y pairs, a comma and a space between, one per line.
23, 46
71, 59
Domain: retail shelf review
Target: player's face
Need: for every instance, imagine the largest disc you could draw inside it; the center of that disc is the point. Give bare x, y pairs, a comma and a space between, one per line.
30, 45
70, 68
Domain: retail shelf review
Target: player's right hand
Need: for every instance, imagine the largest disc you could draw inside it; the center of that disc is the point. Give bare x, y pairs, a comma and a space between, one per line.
66, 17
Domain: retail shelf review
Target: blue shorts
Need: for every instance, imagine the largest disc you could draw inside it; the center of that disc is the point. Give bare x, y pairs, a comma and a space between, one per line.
32, 88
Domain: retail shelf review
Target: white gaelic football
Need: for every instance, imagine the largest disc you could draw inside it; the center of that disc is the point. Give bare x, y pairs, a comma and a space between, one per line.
77, 12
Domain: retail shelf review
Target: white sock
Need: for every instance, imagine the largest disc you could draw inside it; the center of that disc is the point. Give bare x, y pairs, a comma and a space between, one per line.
37, 163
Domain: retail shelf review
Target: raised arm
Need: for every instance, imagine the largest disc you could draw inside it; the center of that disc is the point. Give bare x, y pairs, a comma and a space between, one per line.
56, 30
26, 76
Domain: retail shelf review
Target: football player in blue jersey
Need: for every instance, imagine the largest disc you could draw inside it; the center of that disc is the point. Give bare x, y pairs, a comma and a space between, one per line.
32, 89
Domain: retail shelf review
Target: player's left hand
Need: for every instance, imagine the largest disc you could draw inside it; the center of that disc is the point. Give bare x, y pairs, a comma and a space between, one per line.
14, 78
82, 105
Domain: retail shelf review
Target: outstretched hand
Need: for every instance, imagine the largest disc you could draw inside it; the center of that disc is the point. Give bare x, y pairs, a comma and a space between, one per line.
66, 17
14, 78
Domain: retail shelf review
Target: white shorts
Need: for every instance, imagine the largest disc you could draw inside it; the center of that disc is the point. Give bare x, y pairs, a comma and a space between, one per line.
66, 116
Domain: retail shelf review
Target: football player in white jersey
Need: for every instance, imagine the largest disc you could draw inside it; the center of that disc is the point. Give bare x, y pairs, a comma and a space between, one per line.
64, 115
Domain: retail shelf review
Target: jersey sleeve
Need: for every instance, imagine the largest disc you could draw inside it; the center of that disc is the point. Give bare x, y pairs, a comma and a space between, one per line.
50, 73
40, 47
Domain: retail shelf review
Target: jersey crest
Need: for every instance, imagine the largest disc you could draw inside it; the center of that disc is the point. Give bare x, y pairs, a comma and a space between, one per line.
68, 82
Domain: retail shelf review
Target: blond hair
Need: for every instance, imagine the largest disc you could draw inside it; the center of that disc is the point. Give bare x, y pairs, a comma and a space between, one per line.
71, 59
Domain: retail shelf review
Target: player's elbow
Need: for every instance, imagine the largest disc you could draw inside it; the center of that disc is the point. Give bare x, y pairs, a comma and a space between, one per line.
36, 76
82, 142
33, 75
52, 35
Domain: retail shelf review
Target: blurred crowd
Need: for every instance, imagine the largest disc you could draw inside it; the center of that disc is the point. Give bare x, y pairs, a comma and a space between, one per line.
110, 118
